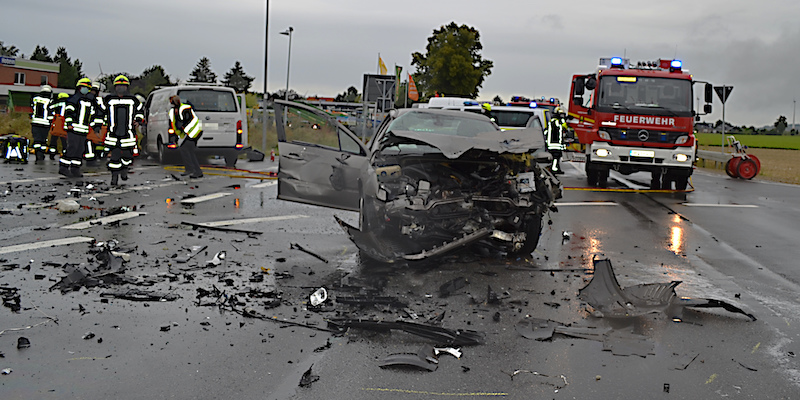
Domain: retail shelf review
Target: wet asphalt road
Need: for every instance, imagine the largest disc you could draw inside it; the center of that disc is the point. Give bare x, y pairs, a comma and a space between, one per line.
729, 239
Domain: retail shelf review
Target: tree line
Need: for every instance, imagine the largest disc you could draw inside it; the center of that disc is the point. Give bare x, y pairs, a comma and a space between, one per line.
144, 83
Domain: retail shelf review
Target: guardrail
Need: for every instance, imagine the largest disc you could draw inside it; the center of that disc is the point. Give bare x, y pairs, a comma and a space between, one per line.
715, 156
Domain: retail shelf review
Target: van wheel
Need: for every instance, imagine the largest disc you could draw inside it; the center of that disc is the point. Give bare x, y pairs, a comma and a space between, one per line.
162, 151
143, 146
230, 160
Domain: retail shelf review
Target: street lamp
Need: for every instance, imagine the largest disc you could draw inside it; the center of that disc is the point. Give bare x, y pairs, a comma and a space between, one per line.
288, 32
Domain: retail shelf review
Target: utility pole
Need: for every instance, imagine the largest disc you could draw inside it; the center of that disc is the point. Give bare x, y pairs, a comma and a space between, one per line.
264, 99
794, 108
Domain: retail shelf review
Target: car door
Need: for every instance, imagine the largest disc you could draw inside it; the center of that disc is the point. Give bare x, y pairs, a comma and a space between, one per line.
320, 160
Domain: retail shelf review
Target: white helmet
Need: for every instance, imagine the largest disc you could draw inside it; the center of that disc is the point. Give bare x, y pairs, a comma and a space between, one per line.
47, 88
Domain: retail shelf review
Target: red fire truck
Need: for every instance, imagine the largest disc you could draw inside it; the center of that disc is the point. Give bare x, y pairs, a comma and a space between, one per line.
637, 118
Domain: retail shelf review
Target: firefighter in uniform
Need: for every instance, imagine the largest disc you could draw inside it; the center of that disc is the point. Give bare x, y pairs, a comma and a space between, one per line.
186, 125
40, 123
557, 129
79, 114
121, 111
56, 118
96, 145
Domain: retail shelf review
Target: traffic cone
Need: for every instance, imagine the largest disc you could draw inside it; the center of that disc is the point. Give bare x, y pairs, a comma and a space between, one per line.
272, 155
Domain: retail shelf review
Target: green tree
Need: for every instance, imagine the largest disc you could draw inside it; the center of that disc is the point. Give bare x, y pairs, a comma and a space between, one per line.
202, 72
350, 95
150, 78
452, 64
40, 53
70, 70
10, 51
237, 79
780, 125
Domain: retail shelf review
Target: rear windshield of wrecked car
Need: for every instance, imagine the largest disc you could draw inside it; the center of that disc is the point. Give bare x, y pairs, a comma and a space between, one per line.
441, 124
209, 100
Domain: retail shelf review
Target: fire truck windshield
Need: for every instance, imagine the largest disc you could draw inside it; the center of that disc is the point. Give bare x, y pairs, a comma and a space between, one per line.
636, 94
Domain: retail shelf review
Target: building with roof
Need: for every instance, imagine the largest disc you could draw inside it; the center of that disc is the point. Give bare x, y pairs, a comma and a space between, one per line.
21, 78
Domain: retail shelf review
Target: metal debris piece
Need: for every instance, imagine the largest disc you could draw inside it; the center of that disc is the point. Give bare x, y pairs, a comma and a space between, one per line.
296, 246
608, 299
423, 359
308, 378
88, 335
23, 343
141, 295
76, 277
440, 335
11, 298
218, 259
451, 286
318, 297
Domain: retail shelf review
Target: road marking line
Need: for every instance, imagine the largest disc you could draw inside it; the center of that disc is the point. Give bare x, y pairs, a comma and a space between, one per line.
720, 205
264, 184
200, 199
46, 243
617, 176
252, 220
588, 203
104, 220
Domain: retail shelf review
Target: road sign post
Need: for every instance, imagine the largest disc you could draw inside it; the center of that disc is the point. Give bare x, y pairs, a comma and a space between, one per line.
723, 92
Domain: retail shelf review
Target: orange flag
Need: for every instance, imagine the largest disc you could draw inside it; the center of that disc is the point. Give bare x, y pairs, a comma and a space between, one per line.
413, 94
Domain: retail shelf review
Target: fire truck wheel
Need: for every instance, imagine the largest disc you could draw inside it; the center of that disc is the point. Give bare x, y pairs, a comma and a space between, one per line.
655, 181
681, 182
731, 167
747, 169
592, 177
602, 178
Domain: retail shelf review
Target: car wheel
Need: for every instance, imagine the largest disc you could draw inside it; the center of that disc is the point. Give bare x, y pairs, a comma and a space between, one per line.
532, 228
162, 151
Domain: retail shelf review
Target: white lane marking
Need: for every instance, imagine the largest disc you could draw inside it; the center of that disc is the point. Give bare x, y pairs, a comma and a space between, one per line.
46, 243
588, 203
264, 184
252, 220
200, 199
104, 220
720, 205
618, 177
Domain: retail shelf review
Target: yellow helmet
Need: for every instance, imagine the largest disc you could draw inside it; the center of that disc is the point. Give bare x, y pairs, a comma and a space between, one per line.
63, 95
85, 82
121, 80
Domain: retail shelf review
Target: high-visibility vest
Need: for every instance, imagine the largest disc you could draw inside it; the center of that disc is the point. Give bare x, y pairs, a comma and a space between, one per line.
192, 128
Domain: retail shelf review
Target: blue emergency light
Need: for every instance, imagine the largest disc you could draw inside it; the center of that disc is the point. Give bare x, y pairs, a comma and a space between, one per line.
552, 100
533, 104
616, 60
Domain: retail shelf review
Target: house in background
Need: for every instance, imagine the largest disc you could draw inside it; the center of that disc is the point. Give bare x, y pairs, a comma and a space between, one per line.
21, 78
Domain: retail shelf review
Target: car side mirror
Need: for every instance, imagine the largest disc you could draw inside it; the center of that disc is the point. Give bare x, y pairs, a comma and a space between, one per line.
591, 83
709, 93
543, 156
707, 108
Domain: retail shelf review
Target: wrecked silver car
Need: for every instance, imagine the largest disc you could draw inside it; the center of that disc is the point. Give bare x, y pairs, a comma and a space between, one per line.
428, 182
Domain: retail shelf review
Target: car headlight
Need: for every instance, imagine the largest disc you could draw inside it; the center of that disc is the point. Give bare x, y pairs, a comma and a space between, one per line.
681, 157
604, 135
602, 152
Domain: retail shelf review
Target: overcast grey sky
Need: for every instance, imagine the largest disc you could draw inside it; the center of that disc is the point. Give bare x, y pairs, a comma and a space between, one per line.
536, 46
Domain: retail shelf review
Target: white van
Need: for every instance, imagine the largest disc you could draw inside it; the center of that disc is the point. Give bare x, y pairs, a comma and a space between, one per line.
221, 111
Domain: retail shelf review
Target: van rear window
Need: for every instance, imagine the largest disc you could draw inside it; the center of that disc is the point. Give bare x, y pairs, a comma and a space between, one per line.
209, 100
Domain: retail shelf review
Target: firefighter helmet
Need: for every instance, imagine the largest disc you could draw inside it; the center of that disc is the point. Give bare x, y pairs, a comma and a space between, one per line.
47, 88
121, 80
96, 86
63, 95
84, 82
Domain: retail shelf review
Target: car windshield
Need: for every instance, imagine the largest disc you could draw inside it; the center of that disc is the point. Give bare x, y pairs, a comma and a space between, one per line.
640, 92
209, 100
441, 124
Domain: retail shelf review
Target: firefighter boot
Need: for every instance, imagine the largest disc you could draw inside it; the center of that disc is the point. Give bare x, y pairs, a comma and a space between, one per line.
64, 170
76, 172
39, 155
114, 178
123, 173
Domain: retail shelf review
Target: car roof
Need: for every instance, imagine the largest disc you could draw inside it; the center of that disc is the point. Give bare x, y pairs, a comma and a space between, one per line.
439, 111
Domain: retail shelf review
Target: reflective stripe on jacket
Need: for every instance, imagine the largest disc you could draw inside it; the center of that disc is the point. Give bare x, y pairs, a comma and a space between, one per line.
41, 109
187, 122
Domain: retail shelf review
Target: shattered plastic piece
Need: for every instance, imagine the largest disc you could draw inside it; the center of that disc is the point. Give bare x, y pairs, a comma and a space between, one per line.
88, 335
491, 296
6, 371
608, 299
449, 337
76, 277
423, 359
308, 378
319, 296
456, 284
747, 367
218, 259
195, 250
536, 329
165, 328
449, 350
140, 295
67, 206
23, 343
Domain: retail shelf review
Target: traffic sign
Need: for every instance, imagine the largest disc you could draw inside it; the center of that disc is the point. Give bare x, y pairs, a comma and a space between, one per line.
723, 92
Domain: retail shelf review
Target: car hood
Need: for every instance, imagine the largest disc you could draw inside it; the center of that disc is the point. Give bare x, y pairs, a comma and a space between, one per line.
515, 141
